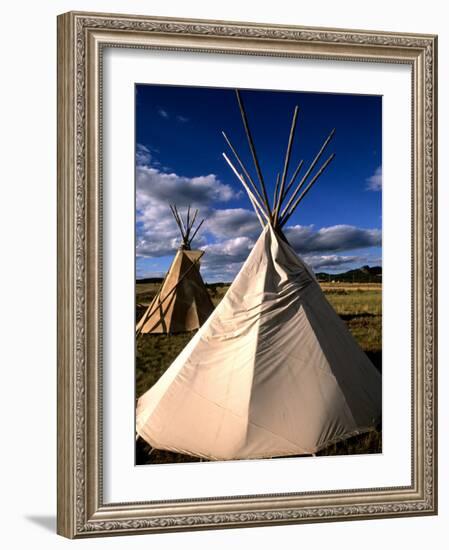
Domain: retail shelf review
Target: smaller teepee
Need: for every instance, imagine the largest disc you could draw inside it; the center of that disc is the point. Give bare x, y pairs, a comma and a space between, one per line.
182, 303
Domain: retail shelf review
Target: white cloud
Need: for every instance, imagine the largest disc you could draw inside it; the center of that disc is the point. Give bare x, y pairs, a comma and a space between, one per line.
157, 232
374, 182
232, 222
170, 115
156, 186
222, 261
143, 155
305, 239
233, 250
228, 234
333, 261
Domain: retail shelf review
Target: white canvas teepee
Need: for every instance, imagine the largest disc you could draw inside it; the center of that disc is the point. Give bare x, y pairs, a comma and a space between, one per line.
274, 371
182, 303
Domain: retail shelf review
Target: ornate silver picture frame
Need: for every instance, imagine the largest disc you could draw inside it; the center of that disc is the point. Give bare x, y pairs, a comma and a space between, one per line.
82, 39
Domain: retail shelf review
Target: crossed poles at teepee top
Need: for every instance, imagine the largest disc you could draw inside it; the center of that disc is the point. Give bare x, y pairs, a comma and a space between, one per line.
186, 227
258, 193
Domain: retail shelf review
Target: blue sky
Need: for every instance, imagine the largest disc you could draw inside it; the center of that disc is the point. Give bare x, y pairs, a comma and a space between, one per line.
179, 160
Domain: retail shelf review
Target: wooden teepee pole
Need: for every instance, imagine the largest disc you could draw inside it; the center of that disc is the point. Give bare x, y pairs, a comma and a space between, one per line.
252, 198
245, 171
285, 218
292, 180
177, 220
306, 175
182, 221
254, 154
191, 226
276, 189
255, 208
286, 163
188, 221
196, 230
194, 217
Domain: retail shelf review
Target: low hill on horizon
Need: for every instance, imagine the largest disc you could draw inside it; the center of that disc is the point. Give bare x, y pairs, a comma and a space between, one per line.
148, 280
364, 274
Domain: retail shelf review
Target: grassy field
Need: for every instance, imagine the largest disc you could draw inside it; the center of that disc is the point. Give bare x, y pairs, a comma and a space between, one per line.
358, 304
